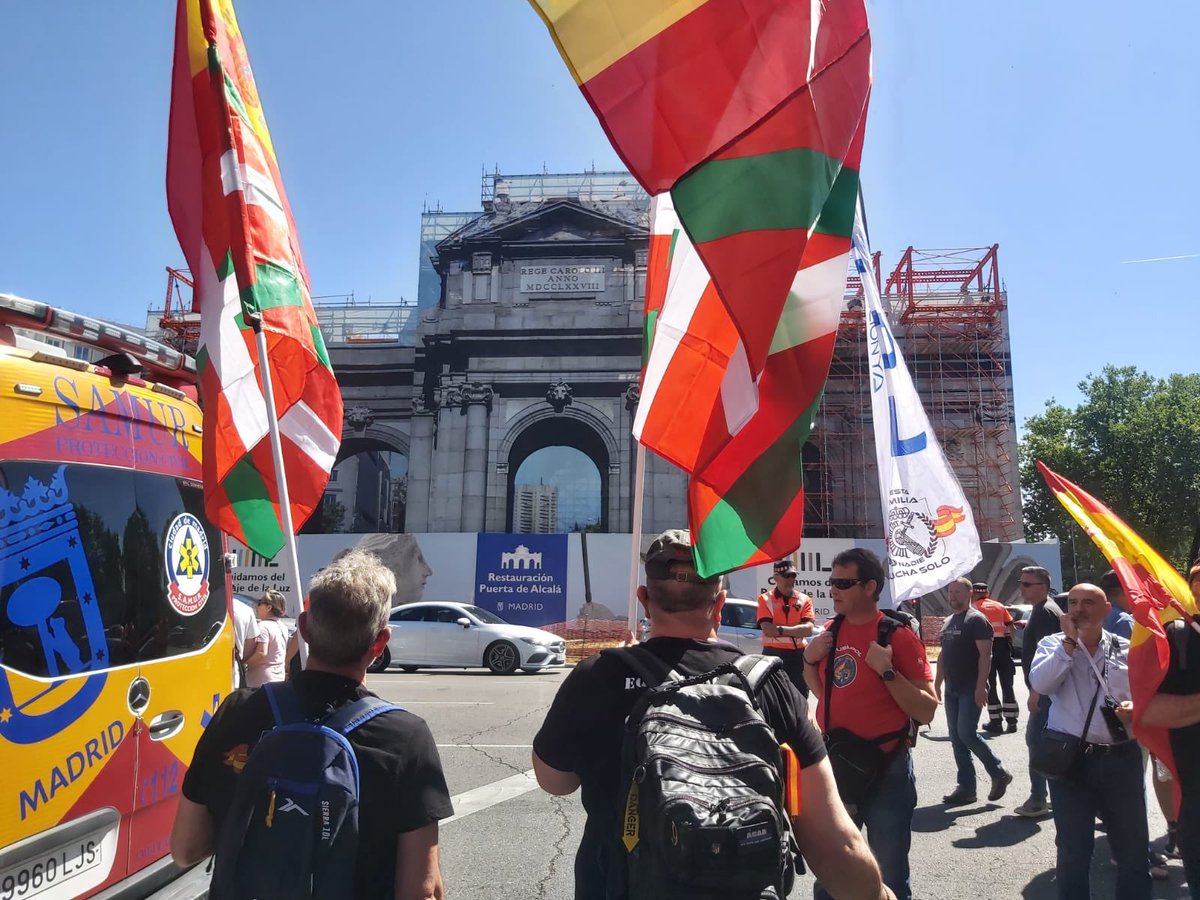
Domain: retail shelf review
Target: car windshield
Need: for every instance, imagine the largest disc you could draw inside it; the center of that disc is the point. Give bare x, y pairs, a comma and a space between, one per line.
487, 618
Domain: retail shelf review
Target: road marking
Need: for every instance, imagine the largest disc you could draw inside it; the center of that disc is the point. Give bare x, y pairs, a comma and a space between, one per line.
481, 798
449, 702
491, 746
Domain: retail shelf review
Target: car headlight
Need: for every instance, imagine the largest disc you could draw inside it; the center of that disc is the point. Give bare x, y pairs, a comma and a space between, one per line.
537, 642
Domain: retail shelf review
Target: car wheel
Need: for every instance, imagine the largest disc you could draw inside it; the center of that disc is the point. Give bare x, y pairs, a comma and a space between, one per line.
382, 661
409, 669
502, 658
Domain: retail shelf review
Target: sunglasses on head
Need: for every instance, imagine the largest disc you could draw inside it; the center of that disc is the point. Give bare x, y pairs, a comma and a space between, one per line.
843, 583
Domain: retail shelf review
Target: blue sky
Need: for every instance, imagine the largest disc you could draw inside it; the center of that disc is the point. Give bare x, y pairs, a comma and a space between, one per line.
1065, 134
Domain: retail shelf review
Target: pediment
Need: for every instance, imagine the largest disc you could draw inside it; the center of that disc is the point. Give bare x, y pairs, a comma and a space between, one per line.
551, 221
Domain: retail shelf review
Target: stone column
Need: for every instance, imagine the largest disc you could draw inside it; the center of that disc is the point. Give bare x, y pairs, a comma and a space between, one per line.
445, 500
477, 405
420, 467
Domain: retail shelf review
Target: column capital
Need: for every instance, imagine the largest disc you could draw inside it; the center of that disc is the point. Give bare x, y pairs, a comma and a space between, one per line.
477, 393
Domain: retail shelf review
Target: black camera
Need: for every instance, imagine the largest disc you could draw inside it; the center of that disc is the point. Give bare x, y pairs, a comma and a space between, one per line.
1115, 726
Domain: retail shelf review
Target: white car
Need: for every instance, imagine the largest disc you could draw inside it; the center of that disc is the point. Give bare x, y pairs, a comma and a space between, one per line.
451, 635
739, 625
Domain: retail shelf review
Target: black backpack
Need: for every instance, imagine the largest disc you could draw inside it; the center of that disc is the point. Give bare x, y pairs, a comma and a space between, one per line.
292, 830
703, 813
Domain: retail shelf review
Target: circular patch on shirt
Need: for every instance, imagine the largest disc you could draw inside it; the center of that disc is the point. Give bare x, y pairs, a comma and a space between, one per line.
845, 667
187, 561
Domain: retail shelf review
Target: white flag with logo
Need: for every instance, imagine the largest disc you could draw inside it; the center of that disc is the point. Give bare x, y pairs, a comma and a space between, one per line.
928, 526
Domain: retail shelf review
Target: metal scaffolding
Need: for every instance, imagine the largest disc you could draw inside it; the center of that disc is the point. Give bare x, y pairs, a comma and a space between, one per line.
948, 309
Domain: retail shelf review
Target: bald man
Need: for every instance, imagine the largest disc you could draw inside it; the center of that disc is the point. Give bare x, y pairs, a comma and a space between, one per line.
1085, 673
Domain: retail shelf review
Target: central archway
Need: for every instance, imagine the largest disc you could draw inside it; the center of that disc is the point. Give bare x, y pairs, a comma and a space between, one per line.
560, 432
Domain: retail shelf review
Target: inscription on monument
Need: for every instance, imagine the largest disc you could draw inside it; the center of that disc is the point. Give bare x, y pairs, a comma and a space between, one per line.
562, 279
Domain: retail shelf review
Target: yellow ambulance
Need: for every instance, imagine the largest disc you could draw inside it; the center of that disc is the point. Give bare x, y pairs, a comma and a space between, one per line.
114, 643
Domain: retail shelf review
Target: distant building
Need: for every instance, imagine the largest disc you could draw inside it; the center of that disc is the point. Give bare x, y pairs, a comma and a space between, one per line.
535, 509
362, 484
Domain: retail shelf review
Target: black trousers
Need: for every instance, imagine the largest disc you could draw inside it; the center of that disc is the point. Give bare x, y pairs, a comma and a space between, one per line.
793, 664
1003, 670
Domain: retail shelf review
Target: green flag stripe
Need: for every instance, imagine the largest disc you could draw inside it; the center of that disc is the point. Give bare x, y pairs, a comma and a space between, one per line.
273, 286
762, 192
201, 359
319, 347
746, 517
251, 502
648, 335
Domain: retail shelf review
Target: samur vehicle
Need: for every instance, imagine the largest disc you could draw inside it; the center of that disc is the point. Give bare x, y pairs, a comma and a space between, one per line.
451, 635
114, 648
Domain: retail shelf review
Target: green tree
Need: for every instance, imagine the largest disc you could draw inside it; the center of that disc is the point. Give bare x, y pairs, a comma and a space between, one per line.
326, 519
1133, 443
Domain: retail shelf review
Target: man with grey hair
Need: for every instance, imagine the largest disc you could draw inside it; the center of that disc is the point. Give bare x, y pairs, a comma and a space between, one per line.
580, 742
402, 791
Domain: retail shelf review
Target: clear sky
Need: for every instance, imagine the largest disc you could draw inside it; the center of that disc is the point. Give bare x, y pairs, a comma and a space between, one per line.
1066, 132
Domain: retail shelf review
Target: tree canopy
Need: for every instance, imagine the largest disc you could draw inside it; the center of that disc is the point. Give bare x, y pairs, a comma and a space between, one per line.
1134, 444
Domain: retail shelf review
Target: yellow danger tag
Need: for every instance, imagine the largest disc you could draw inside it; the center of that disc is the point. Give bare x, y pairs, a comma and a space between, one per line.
629, 834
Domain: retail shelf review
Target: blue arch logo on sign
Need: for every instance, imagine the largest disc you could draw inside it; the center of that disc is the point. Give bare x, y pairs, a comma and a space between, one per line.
522, 577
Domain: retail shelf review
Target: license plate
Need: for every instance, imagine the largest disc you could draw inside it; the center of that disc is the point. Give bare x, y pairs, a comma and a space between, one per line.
57, 874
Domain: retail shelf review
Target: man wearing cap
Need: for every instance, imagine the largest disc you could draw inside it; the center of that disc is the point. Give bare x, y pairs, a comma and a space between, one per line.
786, 618
1003, 668
579, 744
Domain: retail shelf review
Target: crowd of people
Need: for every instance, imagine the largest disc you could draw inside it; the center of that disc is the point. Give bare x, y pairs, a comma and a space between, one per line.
846, 758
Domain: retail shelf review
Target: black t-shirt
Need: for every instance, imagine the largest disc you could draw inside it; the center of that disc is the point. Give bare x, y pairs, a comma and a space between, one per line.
584, 728
1185, 741
1043, 620
959, 658
401, 785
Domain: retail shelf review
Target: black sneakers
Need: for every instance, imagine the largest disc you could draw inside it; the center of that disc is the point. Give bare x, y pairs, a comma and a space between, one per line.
961, 796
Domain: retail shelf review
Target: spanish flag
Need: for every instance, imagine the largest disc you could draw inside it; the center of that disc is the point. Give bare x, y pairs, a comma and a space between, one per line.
1157, 593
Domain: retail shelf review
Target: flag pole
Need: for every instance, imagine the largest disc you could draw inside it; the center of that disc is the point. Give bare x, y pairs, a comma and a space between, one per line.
291, 560
635, 551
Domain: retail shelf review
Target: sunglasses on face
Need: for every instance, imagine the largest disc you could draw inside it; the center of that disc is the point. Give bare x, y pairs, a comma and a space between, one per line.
843, 583
1030, 583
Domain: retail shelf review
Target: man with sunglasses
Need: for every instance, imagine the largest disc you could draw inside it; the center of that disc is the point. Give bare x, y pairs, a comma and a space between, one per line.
1043, 620
872, 681
787, 621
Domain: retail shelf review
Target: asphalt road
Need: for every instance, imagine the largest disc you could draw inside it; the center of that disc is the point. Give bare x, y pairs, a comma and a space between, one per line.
509, 841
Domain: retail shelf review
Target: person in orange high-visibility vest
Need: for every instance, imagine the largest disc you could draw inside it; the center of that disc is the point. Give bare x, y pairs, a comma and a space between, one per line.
787, 620
1003, 668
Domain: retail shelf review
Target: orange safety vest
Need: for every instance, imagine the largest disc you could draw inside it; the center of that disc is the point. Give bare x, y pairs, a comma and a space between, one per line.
996, 614
799, 608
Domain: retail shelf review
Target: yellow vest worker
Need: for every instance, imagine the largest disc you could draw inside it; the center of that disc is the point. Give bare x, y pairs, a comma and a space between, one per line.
786, 618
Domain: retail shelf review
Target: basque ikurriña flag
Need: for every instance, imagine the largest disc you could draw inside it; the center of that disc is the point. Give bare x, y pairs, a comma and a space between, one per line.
929, 530
739, 437
746, 111
1157, 594
235, 227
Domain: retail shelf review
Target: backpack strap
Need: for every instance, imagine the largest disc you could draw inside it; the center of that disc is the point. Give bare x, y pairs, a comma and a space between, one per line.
350, 715
285, 705
887, 627
833, 633
755, 669
645, 664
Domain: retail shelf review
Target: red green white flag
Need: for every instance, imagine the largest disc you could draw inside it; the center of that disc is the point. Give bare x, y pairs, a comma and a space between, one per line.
235, 227
745, 110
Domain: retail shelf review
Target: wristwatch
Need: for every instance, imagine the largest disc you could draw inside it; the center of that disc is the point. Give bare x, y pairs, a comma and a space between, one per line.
889, 674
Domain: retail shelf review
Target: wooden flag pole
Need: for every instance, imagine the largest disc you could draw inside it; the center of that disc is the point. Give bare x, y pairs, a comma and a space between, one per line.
291, 560
635, 552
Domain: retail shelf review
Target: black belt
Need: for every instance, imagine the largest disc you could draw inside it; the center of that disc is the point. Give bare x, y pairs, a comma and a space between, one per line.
1101, 749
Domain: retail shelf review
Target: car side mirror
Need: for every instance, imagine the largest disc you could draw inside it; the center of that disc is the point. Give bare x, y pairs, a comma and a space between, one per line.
464, 622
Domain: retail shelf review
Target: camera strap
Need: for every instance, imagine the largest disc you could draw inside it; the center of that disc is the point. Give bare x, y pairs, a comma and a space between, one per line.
1101, 676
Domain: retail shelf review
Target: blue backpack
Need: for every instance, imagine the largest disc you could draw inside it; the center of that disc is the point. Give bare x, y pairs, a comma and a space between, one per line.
292, 830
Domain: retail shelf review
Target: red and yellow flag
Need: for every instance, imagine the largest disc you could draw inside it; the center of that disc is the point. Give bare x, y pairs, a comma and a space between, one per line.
1157, 593
235, 227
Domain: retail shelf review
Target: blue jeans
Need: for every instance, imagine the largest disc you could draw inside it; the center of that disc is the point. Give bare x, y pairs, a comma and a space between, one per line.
888, 819
1034, 727
962, 717
1111, 786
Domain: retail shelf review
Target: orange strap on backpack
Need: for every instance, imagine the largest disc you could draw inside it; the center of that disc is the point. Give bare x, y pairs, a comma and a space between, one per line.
791, 781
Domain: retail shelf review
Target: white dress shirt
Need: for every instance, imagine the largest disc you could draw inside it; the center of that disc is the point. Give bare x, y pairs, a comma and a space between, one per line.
1068, 680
